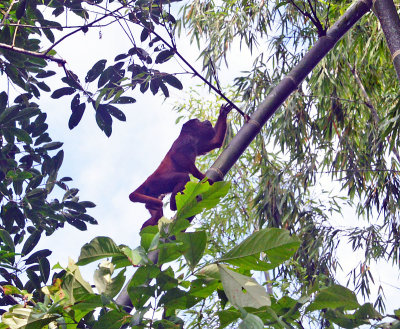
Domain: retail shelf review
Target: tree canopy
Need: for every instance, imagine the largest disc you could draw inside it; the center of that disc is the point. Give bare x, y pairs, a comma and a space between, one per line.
262, 250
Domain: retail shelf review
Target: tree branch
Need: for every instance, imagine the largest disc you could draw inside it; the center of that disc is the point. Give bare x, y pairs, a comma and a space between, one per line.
60, 61
87, 25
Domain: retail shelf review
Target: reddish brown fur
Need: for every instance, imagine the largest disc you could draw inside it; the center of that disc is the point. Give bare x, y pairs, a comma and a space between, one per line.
196, 138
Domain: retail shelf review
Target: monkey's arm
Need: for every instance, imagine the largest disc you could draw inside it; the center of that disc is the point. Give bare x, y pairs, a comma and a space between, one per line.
220, 131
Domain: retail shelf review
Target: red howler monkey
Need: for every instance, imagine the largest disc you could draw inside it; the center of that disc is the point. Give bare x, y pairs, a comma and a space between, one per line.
196, 138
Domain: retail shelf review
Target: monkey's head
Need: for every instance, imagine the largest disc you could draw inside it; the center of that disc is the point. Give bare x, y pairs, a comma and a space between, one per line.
197, 128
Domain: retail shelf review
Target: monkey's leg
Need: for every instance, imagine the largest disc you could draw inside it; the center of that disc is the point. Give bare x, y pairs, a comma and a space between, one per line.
156, 214
181, 180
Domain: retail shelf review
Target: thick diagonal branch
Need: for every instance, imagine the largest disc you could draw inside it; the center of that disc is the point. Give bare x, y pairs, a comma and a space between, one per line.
282, 91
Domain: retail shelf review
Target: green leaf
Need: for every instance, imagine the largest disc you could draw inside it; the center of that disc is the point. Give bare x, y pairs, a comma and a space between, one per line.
169, 252
334, 297
21, 134
96, 70
241, 290
111, 320
24, 316
343, 320
228, 316
251, 321
43, 86
277, 244
164, 89
195, 244
36, 256
31, 242
45, 74
70, 193
125, 100
104, 120
26, 113
105, 284
21, 9
75, 206
135, 256
74, 286
194, 199
173, 81
145, 33
98, 248
154, 85
115, 112
6, 238
62, 92
76, 116
165, 56
52, 145
3, 100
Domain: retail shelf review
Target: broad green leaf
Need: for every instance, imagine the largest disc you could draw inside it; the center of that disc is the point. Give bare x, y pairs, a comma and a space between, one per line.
76, 116
104, 120
135, 256
173, 81
195, 244
251, 321
194, 198
148, 235
203, 287
3, 100
163, 57
211, 271
333, 297
96, 70
21, 134
52, 145
164, 89
85, 306
124, 100
115, 112
367, 311
176, 298
241, 290
62, 92
226, 317
31, 242
75, 286
144, 274
105, 284
168, 252
111, 320
20, 316
98, 248
277, 244
7, 240
343, 320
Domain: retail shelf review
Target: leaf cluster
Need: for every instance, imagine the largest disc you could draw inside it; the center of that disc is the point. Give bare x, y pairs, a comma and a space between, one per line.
29, 171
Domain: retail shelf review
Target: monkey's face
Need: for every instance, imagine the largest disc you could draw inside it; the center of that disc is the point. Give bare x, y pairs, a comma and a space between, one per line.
197, 128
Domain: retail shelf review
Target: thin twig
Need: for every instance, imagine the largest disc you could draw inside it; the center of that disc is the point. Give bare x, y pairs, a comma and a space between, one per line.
86, 26
8, 11
51, 27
